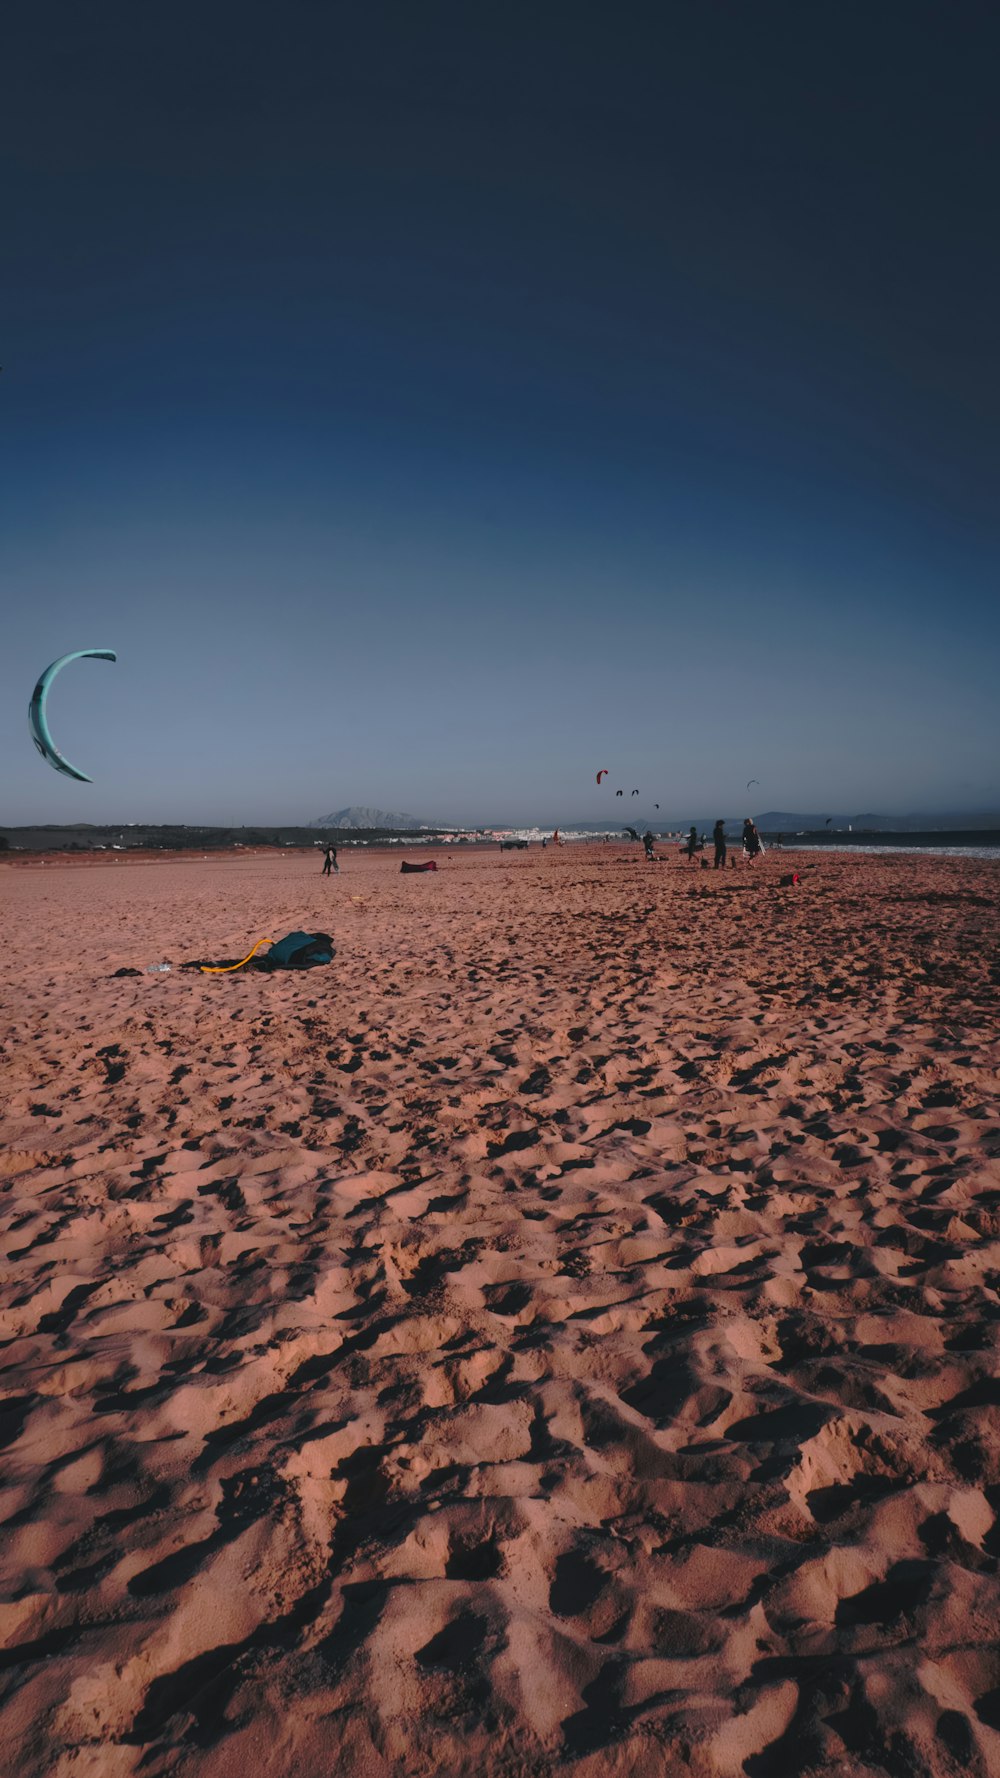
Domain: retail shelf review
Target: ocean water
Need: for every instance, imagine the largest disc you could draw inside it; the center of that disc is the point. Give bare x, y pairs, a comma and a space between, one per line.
920, 848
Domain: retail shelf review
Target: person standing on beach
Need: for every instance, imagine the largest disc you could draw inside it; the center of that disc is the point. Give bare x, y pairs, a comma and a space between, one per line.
330, 861
719, 836
692, 843
751, 841
647, 840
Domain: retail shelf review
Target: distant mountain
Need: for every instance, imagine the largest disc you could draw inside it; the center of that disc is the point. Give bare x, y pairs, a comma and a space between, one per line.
358, 817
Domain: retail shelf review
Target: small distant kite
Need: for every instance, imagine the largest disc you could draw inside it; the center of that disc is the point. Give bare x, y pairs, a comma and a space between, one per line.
37, 720
619, 793
828, 821
601, 775
635, 793
656, 805
752, 781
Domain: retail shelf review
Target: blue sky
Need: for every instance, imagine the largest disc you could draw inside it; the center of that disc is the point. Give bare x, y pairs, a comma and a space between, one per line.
436, 405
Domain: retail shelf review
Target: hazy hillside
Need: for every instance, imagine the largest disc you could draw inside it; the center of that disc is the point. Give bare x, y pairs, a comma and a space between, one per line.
358, 817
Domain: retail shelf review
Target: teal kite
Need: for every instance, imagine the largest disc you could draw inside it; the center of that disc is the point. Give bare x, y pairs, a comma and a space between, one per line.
36, 710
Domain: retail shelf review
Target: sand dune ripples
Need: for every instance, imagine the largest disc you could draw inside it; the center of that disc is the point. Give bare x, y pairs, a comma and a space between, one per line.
561, 1337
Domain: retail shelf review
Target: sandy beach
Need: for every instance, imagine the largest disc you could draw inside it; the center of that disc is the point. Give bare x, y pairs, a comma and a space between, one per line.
560, 1337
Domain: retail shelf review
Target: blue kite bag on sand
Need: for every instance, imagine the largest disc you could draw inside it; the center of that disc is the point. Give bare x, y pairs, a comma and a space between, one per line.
299, 950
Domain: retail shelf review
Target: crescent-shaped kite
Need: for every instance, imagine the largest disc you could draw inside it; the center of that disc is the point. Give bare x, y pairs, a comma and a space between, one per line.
619, 793
603, 774
752, 781
37, 721
635, 793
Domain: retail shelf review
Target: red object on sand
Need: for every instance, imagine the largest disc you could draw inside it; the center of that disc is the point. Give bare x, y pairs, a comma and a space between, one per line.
409, 869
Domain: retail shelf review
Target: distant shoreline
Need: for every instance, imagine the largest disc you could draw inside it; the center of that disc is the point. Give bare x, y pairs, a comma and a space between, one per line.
96, 845
866, 838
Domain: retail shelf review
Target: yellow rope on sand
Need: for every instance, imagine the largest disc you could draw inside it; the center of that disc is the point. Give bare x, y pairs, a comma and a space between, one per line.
227, 968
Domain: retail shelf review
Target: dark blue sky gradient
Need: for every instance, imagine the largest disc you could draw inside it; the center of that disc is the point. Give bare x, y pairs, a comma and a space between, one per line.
433, 404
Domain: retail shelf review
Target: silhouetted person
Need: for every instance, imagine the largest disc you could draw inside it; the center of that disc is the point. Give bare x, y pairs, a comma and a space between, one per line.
719, 836
751, 841
647, 840
692, 843
330, 861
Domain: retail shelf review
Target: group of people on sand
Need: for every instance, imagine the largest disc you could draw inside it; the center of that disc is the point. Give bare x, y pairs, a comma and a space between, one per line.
752, 847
